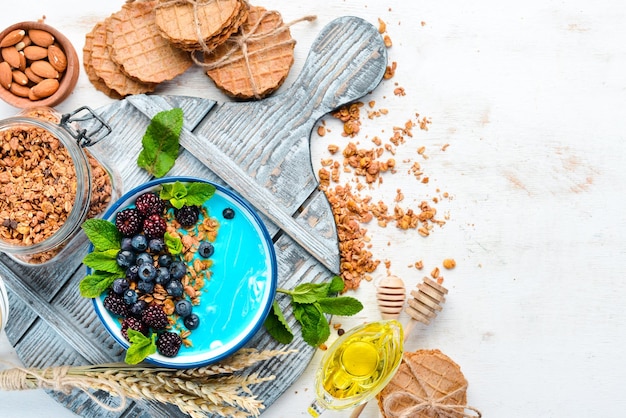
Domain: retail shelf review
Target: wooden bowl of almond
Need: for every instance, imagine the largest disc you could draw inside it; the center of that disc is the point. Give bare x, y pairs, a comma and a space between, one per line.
38, 65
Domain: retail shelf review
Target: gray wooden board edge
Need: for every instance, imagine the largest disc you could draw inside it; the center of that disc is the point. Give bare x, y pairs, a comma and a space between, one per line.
346, 62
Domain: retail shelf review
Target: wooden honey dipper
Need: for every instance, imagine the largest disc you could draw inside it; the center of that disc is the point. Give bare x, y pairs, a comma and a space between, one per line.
390, 296
422, 307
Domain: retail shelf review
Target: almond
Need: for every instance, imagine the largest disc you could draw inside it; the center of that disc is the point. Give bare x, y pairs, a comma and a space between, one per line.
12, 38
32, 76
44, 69
22, 58
6, 77
35, 53
19, 90
57, 58
19, 77
12, 56
46, 88
41, 37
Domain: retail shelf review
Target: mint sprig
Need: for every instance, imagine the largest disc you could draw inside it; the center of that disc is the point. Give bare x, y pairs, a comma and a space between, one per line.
310, 303
140, 346
102, 260
174, 244
194, 194
161, 142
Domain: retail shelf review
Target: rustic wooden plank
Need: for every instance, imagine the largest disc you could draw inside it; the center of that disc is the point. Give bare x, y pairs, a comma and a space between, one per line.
22, 318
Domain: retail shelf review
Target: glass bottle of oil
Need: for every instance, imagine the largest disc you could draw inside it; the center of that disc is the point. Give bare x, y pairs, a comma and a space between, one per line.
358, 365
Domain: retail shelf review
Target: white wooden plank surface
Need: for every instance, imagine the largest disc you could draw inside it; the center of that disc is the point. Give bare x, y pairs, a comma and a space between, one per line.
530, 96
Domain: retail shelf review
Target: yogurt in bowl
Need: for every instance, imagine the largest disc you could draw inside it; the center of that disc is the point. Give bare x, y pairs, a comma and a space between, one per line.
236, 267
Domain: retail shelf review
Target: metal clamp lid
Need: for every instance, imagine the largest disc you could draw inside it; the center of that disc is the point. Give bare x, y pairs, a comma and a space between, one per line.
75, 121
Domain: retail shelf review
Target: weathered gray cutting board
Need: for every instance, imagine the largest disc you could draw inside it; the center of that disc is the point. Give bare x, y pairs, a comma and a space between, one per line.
259, 149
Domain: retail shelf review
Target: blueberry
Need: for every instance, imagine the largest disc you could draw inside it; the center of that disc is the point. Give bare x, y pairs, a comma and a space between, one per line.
192, 321
145, 287
228, 213
143, 258
183, 308
156, 245
125, 258
174, 288
206, 249
132, 272
137, 308
125, 244
165, 260
139, 243
162, 276
147, 272
177, 270
130, 297
120, 285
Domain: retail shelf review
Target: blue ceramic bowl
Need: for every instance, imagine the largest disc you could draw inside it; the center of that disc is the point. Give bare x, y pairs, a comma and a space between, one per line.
239, 295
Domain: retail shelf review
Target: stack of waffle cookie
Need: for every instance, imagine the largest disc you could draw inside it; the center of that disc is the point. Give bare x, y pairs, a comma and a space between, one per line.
247, 51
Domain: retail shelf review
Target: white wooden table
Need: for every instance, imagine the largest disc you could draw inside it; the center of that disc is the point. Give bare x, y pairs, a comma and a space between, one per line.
531, 98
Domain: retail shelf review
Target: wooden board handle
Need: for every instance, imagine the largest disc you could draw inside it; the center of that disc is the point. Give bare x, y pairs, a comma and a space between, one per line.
347, 61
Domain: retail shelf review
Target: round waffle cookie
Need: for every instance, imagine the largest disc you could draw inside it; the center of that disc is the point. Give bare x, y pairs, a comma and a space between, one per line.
138, 47
216, 21
107, 70
428, 384
97, 82
256, 61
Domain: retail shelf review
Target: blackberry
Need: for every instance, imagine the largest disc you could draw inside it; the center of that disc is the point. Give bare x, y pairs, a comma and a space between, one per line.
154, 316
128, 221
115, 304
133, 323
154, 226
149, 204
168, 344
187, 216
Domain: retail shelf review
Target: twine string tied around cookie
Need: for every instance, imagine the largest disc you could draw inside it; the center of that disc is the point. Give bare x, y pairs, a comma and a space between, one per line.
419, 404
242, 39
58, 379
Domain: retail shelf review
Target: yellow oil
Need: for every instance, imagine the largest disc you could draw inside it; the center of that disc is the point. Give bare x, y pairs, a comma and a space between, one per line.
359, 365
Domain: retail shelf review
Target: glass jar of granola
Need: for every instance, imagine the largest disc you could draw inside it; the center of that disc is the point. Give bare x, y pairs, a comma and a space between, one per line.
49, 182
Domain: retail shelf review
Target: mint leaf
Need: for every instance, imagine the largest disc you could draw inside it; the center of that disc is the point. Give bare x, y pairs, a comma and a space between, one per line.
277, 326
344, 305
193, 195
336, 285
161, 142
94, 284
102, 234
175, 192
174, 244
104, 261
315, 328
198, 193
309, 292
140, 347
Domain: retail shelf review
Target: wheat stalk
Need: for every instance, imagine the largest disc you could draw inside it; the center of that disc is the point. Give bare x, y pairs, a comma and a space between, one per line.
212, 389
